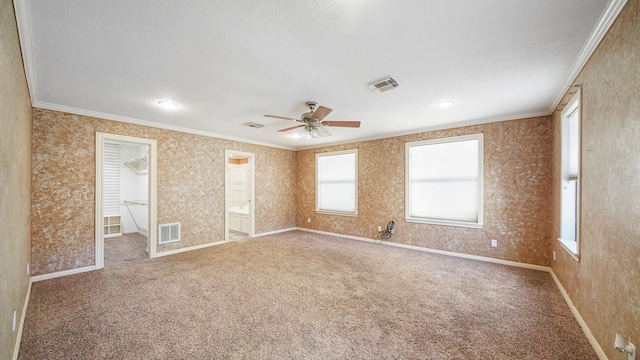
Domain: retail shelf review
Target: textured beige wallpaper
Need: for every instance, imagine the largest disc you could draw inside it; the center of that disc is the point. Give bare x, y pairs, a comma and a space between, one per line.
15, 184
605, 284
517, 181
190, 186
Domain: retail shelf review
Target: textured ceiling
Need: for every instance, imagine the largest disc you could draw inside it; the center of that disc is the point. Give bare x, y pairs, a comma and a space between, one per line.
227, 63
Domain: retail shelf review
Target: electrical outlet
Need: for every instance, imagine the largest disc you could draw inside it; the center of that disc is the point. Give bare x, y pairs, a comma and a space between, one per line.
308, 220
554, 256
623, 345
379, 228
15, 320
494, 243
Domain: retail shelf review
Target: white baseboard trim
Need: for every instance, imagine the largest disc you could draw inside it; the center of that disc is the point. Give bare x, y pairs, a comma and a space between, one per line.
274, 232
62, 273
585, 329
435, 251
190, 248
16, 348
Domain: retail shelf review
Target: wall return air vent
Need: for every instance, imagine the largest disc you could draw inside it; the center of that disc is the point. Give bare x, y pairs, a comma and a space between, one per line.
169, 233
383, 85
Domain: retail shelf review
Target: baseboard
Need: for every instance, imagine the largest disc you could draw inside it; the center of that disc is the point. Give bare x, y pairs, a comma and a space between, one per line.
16, 348
190, 248
576, 314
436, 251
274, 232
585, 329
57, 274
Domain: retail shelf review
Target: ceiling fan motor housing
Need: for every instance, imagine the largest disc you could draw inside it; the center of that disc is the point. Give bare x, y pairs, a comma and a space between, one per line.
312, 105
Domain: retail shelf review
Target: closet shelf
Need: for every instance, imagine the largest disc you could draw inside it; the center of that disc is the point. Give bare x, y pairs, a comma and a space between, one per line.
139, 164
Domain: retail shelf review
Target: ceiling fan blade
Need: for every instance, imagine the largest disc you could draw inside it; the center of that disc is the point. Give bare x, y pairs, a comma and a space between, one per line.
321, 112
291, 128
353, 124
281, 117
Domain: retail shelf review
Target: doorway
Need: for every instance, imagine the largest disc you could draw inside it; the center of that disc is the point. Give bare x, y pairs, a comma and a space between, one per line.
125, 198
239, 187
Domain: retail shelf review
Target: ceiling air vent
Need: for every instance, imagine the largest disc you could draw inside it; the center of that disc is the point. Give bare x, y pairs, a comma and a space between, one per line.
254, 125
384, 85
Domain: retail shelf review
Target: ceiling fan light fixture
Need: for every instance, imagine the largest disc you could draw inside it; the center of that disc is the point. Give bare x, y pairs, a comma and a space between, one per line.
312, 130
310, 134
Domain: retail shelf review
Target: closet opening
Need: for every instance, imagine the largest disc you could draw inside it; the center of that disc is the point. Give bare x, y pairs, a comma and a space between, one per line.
125, 199
239, 193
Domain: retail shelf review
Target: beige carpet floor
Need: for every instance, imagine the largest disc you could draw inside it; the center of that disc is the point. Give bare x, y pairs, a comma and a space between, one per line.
299, 295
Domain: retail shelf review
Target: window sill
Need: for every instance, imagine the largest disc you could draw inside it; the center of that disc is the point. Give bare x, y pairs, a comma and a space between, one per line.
570, 247
445, 223
326, 212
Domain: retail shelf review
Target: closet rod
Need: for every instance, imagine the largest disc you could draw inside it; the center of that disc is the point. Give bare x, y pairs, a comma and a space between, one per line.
136, 202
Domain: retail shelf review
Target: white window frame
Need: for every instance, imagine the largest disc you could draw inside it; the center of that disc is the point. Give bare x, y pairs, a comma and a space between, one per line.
574, 105
336, 212
480, 221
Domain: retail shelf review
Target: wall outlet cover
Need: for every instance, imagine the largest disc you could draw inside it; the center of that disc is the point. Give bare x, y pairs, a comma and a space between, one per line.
494, 243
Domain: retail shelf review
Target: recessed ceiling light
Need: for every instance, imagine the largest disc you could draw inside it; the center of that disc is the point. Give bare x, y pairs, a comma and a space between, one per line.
445, 104
167, 104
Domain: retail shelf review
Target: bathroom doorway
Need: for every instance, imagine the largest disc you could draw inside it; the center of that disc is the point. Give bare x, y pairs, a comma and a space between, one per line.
125, 199
239, 195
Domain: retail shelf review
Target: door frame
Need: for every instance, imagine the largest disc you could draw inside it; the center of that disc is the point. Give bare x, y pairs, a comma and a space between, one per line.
153, 181
252, 190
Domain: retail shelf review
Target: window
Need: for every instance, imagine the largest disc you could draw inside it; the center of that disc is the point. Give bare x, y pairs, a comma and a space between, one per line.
336, 182
570, 175
444, 181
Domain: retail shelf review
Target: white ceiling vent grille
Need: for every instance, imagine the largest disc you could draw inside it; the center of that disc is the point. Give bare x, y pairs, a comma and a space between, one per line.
384, 85
169, 233
254, 125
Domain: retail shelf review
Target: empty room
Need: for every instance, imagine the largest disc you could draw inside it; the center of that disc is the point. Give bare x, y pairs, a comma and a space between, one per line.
320, 180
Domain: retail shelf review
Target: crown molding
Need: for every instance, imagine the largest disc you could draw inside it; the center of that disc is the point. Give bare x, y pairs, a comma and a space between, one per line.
609, 15
611, 12
152, 124
23, 20
446, 126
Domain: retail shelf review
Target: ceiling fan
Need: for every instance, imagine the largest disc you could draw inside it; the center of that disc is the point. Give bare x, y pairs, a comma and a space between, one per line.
313, 125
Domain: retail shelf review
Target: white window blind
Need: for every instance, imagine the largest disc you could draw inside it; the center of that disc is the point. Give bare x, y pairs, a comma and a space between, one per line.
111, 180
570, 171
444, 181
574, 144
336, 189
